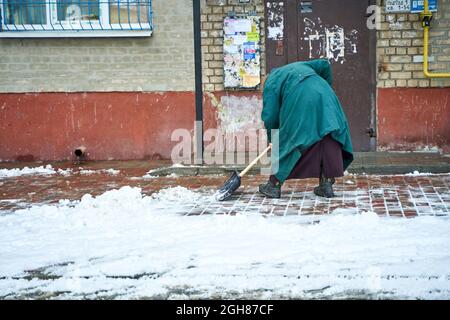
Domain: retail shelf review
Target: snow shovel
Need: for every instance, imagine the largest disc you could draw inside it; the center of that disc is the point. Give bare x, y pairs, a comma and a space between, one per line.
234, 182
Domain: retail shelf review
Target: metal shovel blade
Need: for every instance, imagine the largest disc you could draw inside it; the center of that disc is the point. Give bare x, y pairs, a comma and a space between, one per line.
230, 186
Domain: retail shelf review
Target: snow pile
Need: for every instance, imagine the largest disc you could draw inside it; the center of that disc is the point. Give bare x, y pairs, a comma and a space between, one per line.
177, 195
49, 170
42, 170
66, 172
418, 174
111, 171
124, 244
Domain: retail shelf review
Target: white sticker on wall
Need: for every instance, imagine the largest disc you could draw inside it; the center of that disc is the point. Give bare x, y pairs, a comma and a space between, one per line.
398, 5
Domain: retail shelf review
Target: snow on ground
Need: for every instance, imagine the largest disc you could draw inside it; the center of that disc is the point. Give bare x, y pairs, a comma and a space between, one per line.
10, 173
49, 170
123, 244
418, 174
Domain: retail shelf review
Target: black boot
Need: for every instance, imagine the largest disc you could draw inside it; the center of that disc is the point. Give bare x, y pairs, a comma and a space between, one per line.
270, 190
325, 188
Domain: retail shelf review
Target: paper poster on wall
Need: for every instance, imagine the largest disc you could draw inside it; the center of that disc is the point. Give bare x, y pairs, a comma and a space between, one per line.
242, 51
249, 51
239, 39
242, 25
252, 36
250, 81
232, 49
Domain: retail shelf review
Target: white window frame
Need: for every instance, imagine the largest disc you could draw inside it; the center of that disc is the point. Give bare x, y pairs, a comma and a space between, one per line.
92, 28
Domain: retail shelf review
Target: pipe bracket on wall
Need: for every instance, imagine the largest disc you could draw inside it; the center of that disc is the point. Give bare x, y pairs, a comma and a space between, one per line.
426, 19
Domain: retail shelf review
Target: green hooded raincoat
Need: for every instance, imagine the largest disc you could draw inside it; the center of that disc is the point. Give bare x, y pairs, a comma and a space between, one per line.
299, 101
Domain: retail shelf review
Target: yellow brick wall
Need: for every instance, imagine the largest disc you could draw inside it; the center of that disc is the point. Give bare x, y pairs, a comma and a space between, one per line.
400, 41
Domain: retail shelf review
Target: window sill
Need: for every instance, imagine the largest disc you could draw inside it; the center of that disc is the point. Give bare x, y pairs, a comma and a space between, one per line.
77, 34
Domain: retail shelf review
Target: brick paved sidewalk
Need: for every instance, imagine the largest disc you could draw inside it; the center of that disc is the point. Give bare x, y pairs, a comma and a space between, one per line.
394, 195
399, 196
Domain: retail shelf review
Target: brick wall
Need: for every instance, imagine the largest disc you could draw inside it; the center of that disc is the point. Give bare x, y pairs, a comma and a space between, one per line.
163, 62
400, 41
213, 15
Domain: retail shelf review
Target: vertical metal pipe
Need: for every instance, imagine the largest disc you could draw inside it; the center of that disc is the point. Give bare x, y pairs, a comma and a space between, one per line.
198, 82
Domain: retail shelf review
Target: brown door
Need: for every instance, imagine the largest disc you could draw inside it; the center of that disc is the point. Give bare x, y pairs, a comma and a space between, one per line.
337, 30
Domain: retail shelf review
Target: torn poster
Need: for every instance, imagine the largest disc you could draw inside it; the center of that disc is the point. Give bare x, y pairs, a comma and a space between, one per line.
275, 20
330, 42
250, 81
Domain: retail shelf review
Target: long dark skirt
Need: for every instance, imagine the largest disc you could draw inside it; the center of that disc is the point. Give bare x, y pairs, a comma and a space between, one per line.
325, 155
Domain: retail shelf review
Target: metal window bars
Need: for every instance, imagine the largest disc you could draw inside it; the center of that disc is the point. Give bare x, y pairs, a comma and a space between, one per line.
75, 15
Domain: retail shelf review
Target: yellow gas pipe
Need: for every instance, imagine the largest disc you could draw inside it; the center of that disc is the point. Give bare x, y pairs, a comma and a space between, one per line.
426, 17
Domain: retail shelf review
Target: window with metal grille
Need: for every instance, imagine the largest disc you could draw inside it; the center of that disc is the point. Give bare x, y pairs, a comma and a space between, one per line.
77, 17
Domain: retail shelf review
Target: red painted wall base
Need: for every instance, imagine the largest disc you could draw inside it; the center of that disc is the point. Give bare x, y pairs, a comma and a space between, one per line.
414, 119
130, 125
120, 126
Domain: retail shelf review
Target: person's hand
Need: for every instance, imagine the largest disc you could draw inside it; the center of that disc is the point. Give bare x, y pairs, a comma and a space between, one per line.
270, 145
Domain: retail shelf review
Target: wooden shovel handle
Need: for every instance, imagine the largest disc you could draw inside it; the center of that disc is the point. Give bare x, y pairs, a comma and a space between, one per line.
254, 161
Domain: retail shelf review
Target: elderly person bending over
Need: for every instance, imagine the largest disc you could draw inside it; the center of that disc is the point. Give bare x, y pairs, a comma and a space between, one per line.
313, 133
